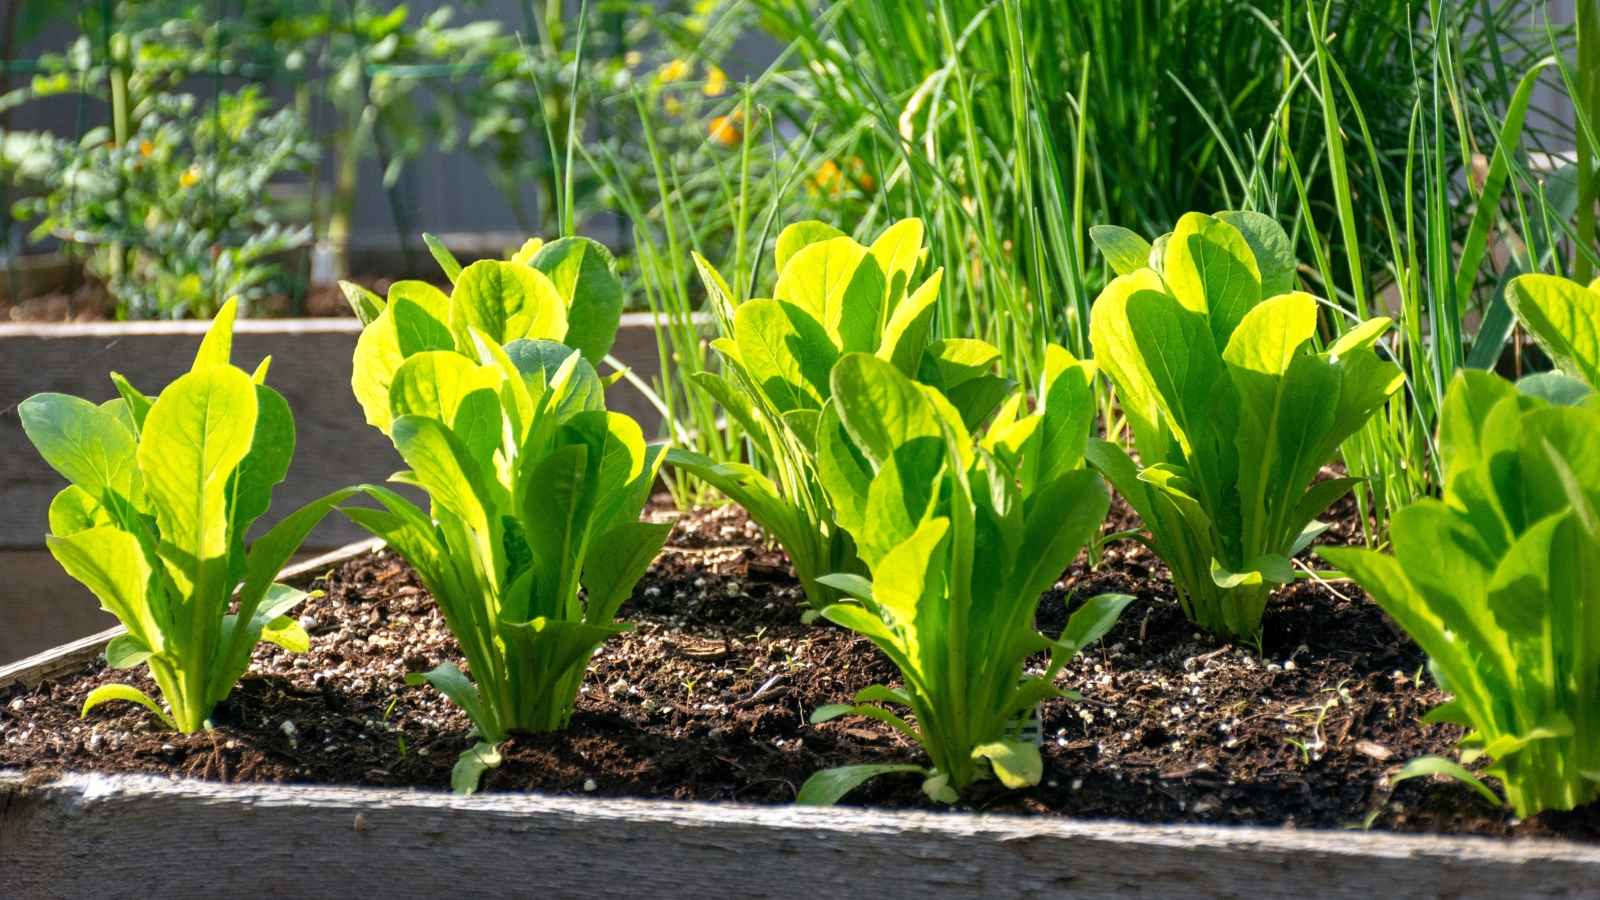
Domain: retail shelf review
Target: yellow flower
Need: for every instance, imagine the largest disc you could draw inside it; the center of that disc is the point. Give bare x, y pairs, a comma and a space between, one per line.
146, 148
716, 82
632, 58
828, 178
672, 104
190, 177
677, 70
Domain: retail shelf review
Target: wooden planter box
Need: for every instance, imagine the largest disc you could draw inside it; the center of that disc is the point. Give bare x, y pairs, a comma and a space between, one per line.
40, 606
78, 835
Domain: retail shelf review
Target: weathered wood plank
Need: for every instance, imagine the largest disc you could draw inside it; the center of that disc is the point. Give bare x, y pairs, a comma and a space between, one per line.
142, 836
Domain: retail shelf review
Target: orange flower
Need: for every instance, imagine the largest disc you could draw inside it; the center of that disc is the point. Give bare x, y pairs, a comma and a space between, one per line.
146, 148
728, 130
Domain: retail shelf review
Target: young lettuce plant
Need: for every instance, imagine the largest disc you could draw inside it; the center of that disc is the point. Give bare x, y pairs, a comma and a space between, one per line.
163, 492
961, 541
833, 297
1233, 411
536, 488
1500, 583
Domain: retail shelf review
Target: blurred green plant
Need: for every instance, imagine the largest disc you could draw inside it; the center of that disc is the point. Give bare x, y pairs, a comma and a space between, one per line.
178, 216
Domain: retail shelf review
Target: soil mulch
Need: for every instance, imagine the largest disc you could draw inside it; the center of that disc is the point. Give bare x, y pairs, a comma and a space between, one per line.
708, 700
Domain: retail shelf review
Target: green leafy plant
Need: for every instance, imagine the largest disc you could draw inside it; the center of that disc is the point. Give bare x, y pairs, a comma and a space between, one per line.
1233, 411
961, 541
178, 216
1498, 583
833, 296
163, 492
536, 488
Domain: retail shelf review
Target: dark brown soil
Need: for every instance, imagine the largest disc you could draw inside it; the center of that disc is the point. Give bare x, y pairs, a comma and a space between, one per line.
709, 700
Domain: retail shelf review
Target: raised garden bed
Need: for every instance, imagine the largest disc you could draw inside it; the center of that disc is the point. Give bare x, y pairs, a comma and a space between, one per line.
708, 700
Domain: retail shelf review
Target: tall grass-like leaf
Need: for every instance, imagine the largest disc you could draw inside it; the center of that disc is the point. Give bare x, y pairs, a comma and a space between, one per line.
155, 520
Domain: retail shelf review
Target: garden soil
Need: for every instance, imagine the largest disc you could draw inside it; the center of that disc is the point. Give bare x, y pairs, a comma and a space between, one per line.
708, 699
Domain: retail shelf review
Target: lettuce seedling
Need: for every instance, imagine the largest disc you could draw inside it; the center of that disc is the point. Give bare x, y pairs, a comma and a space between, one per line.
1500, 583
833, 297
163, 492
961, 541
536, 489
1233, 411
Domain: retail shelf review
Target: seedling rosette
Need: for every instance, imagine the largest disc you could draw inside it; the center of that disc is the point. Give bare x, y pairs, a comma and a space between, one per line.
833, 296
491, 397
163, 492
1233, 410
961, 541
1500, 583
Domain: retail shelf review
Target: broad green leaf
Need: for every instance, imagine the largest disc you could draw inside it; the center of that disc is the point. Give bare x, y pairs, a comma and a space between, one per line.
194, 438
216, 348
418, 331
286, 633
615, 562
881, 409
897, 251
83, 442
830, 785
1272, 334
1564, 317
74, 510
1124, 250
948, 364
1271, 247
449, 681
129, 693
1016, 763
126, 651
1092, 621
906, 336
365, 304
1117, 351
444, 465
434, 383
853, 585
376, 358
838, 283
469, 768
829, 712
1212, 271
583, 273
786, 352
794, 238
1363, 335
137, 404
443, 256
901, 578
507, 302
266, 464
1554, 388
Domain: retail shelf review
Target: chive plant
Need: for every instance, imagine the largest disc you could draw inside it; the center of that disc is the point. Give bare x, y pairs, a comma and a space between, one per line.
163, 493
491, 396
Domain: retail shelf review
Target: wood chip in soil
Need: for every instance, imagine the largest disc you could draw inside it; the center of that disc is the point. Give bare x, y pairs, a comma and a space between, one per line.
708, 700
